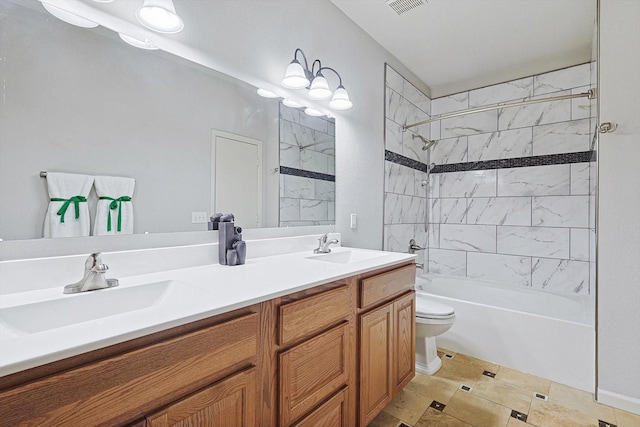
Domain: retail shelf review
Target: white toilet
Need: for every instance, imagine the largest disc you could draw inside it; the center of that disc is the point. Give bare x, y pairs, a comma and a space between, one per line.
432, 319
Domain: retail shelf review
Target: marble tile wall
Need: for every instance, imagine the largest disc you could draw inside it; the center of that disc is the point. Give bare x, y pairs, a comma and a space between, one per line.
405, 201
521, 223
307, 175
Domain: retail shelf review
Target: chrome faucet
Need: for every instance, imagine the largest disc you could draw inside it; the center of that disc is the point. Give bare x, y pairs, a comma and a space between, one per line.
323, 246
413, 247
94, 276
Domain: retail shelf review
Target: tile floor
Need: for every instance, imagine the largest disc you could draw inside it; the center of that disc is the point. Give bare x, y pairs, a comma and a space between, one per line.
469, 392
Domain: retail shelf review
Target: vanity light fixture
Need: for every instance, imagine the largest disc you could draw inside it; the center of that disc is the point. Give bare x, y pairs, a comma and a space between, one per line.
160, 16
291, 103
298, 77
142, 44
69, 17
313, 112
267, 93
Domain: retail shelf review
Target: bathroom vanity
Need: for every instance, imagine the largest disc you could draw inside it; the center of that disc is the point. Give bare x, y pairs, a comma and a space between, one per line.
328, 342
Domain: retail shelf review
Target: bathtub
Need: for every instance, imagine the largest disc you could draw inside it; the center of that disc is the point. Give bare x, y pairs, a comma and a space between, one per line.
545, 334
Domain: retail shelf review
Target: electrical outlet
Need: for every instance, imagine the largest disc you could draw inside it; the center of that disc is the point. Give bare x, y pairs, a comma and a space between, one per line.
354, 220
198, 217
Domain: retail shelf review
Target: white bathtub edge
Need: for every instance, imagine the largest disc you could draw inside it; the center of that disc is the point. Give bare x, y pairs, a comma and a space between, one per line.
620, 401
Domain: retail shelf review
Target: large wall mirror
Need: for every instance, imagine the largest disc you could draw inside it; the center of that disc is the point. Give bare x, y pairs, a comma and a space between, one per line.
80, 100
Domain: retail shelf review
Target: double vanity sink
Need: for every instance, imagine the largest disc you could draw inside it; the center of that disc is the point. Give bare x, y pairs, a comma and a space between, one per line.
42, 326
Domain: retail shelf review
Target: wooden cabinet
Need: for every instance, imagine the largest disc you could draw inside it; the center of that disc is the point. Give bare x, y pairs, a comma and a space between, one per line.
376, 355
404, 341
122, 388
386, 333
329, 356
312, 371
315, 356
228, 403
333, 413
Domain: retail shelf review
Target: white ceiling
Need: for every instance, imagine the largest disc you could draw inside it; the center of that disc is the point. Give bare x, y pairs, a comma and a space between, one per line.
457, 45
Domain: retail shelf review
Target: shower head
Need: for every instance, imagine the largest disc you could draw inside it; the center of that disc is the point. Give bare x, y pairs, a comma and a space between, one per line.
428, 143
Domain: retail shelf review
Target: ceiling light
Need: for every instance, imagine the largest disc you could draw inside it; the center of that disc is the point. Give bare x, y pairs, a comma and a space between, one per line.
291, 103
68, 17
103, 1
313, 112
340, 100
298, 77
142, 44
160, 16
266, 93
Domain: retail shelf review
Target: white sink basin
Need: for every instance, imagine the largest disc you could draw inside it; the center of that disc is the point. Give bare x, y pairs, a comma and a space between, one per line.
346, 257
95, 305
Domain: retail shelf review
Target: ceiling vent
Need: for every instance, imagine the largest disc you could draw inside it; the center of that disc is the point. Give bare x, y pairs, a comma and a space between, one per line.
402, 6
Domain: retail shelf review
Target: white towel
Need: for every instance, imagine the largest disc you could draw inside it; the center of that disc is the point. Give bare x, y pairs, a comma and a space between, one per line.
114, 214
68, 217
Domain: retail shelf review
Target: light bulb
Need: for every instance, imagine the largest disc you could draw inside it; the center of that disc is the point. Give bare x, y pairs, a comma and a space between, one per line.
69, 17
291, 103
142, 44
266, 93
313, 112
320, 88
160, 16
340, 100
295, 77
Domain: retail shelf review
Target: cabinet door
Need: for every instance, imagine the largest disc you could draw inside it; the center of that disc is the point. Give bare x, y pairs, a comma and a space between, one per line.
312, 371
376, 355
404, 341
332, 413
228, 403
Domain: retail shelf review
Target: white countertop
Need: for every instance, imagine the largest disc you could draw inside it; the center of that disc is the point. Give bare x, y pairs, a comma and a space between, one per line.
216, 289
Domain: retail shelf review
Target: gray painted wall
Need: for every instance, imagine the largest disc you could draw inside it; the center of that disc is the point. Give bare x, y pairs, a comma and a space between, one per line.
618, 206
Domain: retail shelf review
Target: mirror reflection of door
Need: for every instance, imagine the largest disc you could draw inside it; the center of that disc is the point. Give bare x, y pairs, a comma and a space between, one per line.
236, 177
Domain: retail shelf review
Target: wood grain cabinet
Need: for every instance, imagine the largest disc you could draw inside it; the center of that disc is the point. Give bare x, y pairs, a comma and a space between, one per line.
315, 356
228, 403
386, 333
330, 356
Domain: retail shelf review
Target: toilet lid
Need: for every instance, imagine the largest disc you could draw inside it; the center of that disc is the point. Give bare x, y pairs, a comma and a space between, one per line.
429, 308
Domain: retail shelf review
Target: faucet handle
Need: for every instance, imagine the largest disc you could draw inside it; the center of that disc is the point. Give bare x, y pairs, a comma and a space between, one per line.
413, 247
94, 262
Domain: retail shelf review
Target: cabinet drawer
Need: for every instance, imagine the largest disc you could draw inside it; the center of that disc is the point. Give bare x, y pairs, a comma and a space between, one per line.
310, 372
306, 316
378, 288
332, 413
116, 390
228, 403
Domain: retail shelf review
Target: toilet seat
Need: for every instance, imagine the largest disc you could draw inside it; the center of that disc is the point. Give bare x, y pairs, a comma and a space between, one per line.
429, 309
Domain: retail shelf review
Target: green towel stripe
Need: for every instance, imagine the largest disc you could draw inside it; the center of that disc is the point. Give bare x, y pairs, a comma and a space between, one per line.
115, 204
63, 209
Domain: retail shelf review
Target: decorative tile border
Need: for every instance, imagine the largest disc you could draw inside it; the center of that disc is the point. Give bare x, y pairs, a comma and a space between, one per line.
519, 162
284, 170
404, 161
